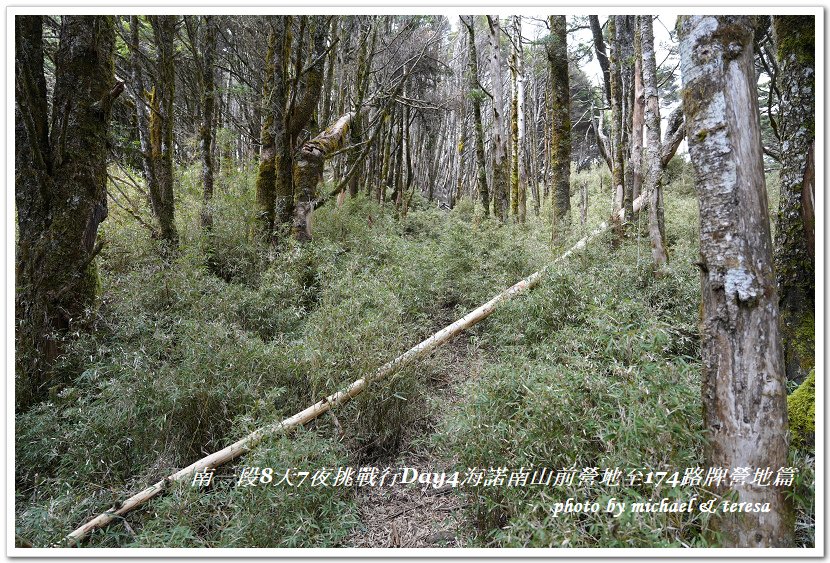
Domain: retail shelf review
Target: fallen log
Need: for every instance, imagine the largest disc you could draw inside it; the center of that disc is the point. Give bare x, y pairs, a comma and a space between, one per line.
305, 416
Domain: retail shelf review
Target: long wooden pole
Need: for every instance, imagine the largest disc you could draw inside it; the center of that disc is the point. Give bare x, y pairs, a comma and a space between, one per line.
305, 416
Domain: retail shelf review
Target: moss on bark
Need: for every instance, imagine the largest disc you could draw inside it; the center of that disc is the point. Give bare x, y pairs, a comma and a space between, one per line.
801, 408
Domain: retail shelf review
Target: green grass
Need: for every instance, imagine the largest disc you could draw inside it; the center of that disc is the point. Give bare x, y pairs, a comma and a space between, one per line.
597, 366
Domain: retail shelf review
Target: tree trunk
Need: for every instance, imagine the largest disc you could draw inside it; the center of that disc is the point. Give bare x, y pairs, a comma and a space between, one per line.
560, 156
602, 56
160, 99
384, 169
141, 110
519, 152
283, 155
501, 172
309, 170
455, 197
475, 96
266, 194
794, 264
398, 182
744, 398
60, 187
206, 132
514, 131
625, 42
328, 87
638, 113
297, 114
617, 171
653, 185
364, 66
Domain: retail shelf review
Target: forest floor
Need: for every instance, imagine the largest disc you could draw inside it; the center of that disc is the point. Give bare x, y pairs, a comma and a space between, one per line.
598, 366
418, 516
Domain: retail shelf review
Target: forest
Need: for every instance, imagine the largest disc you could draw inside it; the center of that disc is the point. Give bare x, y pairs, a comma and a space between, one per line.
415, 281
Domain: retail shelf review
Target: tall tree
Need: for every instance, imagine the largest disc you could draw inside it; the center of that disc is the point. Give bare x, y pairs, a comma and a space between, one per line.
501, 171
266, 194
476, 95
60, 186
625, 41
293, 81
368, 36
794, 235
518, 173
744, 397
207, 128
154, 118
653, 185
638, 112
560, 151
617, 160
161, 121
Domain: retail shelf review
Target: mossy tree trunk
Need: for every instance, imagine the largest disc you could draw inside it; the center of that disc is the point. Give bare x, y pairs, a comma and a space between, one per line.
60, 187
625, 30
560, 152
514, 134
458, 192
397, 182
278, 106
617, 162
142, 109
794, 262
653, 185
638, 112
266, 180
476, 95
293, 101
380, 194
518, 164
309, 170
501, 170
744, 397
160, 99
207, 128
368, 36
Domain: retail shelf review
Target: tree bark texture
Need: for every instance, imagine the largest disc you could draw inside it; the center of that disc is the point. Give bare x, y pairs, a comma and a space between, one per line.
160, 99
308, 171
794, 263
501, 170
476, 95
60, 187
364, 66
266, 194
206, 130
278, 106
520, 151
142, 111
653, 185
625, 43
602, 55
560, 152
617, 169
744, 398
638, 114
